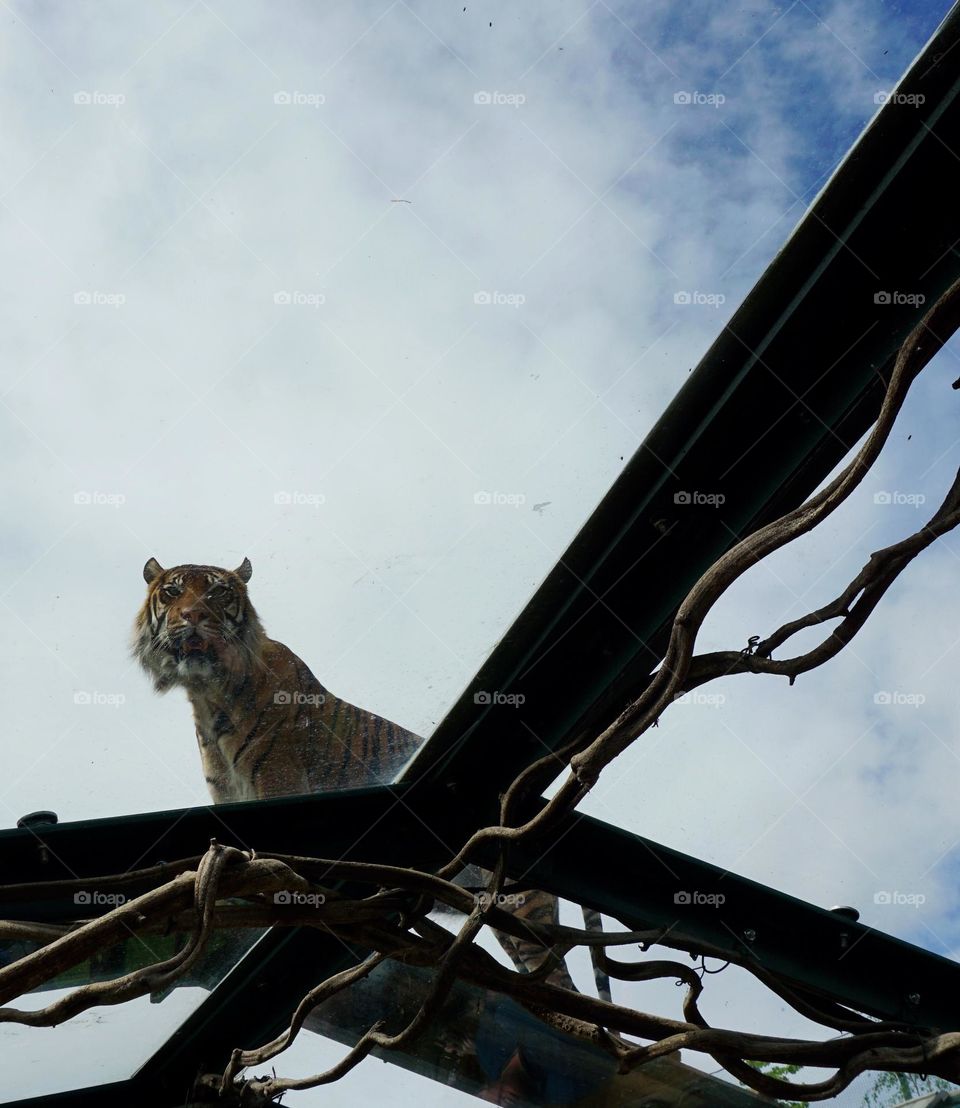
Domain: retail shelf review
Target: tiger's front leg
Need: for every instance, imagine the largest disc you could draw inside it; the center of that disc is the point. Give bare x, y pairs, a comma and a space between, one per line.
216, 771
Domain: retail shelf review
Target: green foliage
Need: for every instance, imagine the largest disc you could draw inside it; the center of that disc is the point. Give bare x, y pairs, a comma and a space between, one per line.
891, 1089
887, 1091
771, 1069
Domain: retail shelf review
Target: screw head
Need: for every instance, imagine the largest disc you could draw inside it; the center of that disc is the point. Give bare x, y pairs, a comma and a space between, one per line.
846, 911
750, 935
37, 819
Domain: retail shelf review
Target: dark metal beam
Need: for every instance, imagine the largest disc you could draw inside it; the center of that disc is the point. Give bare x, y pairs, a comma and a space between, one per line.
114, 1095
350, 824
640, 882
589, 862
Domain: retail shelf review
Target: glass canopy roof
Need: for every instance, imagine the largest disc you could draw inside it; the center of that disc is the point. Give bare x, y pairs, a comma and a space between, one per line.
353, 462
549, 214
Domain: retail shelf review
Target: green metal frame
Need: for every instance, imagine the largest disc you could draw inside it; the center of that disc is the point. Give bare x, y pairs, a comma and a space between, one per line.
804, 357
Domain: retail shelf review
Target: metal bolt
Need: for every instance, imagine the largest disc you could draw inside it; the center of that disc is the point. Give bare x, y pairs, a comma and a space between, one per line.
36, 821
846, 911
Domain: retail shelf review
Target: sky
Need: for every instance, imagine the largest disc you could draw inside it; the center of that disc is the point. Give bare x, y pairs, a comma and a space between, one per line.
383, 298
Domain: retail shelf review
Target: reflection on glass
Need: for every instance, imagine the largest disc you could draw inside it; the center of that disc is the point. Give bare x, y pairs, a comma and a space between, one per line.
490, 1046
107, 1044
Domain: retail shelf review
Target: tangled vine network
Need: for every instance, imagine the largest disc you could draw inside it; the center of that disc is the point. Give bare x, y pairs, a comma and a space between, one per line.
392, 920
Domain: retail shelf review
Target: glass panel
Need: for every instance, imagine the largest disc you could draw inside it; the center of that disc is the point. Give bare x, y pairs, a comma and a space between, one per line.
490, 1046
382, 298
107, 1044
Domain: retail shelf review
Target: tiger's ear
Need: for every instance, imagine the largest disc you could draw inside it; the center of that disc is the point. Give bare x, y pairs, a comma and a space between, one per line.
152, 570
244, 571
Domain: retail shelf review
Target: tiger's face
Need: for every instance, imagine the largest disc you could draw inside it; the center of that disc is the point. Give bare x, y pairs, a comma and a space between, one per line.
197, 626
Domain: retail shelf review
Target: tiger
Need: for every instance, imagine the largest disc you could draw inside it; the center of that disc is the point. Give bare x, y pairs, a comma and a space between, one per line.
266, 726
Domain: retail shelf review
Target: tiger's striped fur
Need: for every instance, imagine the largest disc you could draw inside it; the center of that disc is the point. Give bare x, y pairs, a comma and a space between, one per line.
265, 725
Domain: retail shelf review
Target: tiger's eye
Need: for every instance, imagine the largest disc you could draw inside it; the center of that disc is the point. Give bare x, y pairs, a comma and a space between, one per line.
169, 592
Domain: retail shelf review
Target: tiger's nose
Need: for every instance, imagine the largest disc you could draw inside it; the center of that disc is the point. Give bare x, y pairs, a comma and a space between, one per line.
192, 615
